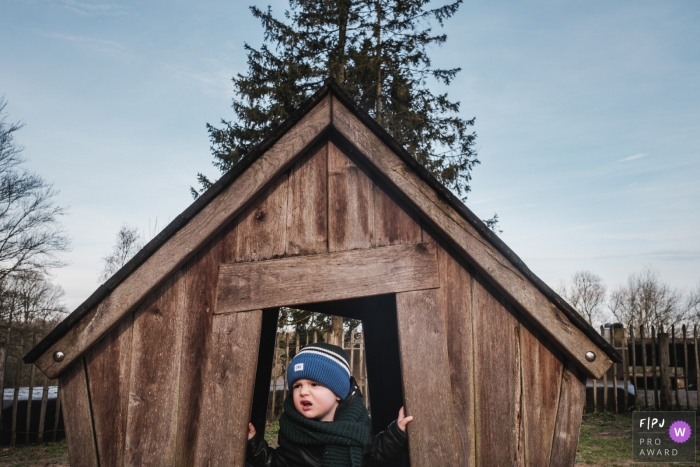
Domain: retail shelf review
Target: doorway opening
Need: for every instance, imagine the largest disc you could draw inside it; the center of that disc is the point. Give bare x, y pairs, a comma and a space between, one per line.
382, 360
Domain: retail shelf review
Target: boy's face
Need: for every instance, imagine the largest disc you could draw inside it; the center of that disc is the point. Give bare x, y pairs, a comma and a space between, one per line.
313, 400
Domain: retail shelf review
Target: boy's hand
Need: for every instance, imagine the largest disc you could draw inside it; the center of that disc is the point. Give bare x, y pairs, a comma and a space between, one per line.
251, 431
403, 421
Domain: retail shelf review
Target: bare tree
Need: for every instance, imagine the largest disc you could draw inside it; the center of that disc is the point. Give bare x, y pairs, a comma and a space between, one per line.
30, 297
646, 301
30, 231
587, 294
694, 303
127, 244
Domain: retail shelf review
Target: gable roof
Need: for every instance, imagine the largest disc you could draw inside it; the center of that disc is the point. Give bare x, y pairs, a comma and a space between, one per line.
311, 122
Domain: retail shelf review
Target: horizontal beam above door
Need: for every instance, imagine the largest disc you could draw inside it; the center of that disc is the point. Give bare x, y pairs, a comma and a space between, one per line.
325, 277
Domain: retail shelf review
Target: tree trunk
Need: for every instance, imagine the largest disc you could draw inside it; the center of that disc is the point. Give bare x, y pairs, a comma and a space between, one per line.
378, 34
335, 336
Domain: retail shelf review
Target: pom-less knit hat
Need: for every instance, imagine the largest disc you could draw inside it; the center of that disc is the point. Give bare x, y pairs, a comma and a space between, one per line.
323, 363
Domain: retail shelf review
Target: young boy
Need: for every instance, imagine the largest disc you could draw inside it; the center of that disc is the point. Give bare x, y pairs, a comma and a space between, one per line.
325, 423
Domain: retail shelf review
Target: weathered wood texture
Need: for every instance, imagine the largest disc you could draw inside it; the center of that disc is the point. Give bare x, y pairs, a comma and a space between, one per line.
307, 216
566, 430
201, 274
320, 278
425, 370
497, 388
470, 243
393, 225
155, 369
455, 298
262, 225
183, 244
229, 376
77, 417
350, 207
541, 371
108, 366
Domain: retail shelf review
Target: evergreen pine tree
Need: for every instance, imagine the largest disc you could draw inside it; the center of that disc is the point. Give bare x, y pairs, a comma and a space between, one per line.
377, 51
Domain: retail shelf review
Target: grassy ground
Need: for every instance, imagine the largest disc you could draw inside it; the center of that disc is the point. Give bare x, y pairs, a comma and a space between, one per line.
606, 440
46, 455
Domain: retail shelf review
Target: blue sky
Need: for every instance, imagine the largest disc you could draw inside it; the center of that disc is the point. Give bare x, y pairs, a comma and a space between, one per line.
588, 116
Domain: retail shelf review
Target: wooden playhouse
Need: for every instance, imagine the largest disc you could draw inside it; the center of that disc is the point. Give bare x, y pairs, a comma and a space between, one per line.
168, 360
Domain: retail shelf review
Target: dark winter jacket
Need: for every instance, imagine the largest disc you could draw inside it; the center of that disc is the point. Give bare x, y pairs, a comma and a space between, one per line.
379, 451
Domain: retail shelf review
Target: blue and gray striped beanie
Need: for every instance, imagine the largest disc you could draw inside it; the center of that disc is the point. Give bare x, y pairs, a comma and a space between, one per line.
323, 363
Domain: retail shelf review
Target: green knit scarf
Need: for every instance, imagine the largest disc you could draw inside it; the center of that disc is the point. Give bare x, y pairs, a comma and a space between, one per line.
344, 438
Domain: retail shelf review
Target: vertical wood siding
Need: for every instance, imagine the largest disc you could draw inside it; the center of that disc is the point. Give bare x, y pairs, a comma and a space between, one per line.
77, 418
496, 379
165, 384
155, 370
108, 365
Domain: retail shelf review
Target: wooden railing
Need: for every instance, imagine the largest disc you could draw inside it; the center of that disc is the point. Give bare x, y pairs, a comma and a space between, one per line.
660, 371
31, 410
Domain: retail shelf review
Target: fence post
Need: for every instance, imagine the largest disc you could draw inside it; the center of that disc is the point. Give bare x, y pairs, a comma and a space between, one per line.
42, 412
697, 365
614, 372
644, 364
685, 367
605, 378
15, 396
30, 397
625, 368
635, 385
58, 411
664, 361
275, 357
4, 350
677, 405
287, 361
653, 362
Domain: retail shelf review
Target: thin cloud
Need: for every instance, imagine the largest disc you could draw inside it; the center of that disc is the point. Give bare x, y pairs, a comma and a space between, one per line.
103, 47
632, 157
94, 9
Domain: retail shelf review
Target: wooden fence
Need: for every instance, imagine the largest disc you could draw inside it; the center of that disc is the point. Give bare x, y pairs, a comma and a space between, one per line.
287, 344
660, 371
31, 410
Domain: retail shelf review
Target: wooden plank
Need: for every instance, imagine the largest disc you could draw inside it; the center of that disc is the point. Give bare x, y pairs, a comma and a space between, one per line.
77, 418
470, 243
201, 277
229, 376
15, 396
42, 411
307, 212
393, 225
455, 298
183, 244
262, 225
4, 348
541, 371
425, 370
350, 216
332, 276
155, 369
108, 365
566, 431
497, 389
30, 398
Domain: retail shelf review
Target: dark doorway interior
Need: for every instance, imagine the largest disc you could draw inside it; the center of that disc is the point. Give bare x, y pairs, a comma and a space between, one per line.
378, 316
